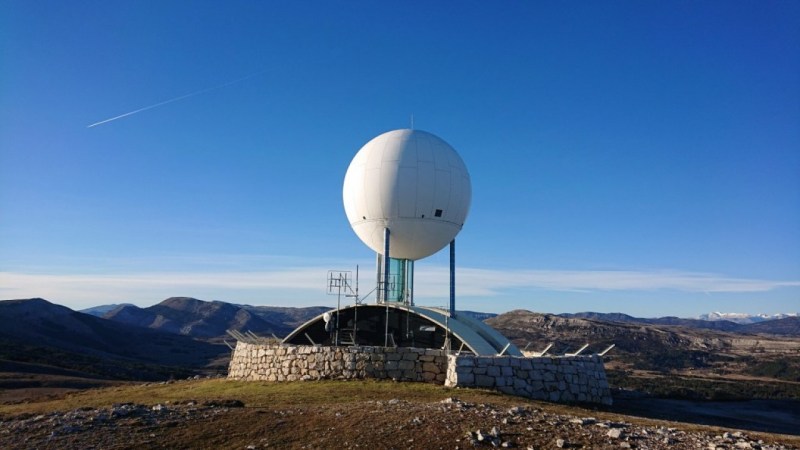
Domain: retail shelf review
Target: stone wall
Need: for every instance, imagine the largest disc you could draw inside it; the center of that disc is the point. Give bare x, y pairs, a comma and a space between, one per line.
557, 379
291, 363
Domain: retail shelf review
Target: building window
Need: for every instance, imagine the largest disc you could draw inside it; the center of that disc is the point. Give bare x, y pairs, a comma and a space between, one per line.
438, 213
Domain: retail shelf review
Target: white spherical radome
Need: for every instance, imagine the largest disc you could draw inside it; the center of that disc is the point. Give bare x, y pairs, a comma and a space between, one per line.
413, 183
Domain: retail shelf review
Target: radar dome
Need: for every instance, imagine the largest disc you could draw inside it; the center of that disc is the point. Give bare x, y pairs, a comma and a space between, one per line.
414, 184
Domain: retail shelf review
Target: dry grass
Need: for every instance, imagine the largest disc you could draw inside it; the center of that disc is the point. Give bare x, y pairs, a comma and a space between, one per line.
253, 394
321, 414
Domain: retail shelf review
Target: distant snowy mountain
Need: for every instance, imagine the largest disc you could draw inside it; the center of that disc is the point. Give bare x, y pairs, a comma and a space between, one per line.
744, 318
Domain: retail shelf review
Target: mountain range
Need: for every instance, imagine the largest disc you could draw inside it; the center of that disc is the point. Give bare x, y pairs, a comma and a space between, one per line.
39, 333
787, 324
199, 318
744, 318
127, 341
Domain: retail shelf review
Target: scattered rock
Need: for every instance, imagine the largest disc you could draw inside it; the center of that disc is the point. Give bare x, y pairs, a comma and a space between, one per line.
614, 433
144, 425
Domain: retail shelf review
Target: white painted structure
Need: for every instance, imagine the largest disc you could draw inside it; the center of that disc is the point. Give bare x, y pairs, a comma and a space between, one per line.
406, 195
414, 184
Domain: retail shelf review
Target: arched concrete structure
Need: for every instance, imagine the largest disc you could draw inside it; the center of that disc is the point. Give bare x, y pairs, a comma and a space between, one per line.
408, 326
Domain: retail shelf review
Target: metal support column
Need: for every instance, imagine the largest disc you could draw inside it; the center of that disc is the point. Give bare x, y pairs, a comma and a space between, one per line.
378, 264
453, 278
386, 281
411, 282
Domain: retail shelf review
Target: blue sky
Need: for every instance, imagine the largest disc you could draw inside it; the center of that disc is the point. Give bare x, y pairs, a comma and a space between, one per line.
632, 156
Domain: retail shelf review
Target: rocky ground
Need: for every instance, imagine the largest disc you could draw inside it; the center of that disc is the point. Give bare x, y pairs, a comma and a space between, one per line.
394, 423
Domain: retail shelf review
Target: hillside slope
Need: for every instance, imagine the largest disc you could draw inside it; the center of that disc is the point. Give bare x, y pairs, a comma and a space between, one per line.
775, 326
657, 357
197, 318
37, 331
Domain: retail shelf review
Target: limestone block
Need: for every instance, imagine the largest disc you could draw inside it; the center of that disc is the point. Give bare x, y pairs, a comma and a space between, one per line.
410, 356
430, 367
464, 361
466, 379
463, 370
484, 381
394, 356
493, 371
406, 365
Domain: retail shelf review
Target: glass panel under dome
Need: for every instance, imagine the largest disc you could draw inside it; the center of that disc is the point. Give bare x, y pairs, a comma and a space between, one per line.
398, 280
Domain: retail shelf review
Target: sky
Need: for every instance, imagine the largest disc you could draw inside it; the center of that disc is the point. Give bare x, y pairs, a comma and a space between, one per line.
629, 156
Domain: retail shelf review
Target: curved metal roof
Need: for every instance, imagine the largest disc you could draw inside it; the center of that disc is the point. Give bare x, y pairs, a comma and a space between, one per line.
478, 337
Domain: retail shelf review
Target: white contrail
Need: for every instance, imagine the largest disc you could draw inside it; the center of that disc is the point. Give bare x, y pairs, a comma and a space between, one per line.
192, 94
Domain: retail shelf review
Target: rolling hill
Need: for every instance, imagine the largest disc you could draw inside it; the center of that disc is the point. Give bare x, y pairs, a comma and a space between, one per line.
35, 331
780, 325
203, 319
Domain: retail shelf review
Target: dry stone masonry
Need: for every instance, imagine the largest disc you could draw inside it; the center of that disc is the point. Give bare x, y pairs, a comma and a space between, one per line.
292, 363
556, 379
565, 379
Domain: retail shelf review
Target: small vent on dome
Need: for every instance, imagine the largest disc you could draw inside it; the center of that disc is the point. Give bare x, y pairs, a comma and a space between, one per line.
438, 213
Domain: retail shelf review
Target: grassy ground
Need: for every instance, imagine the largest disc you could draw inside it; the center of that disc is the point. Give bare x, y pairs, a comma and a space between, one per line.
253, 394
315, 414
